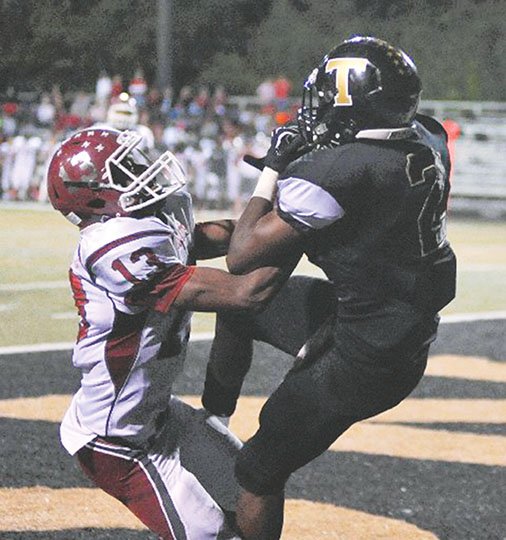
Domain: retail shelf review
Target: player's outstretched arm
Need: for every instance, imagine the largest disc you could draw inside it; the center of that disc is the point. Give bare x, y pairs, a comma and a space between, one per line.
261, 237
211, 289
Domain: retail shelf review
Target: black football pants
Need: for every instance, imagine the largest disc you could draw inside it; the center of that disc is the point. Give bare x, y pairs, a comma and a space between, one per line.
344, 380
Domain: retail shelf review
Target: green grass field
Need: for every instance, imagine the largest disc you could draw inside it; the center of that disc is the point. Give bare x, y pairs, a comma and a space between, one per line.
37, 245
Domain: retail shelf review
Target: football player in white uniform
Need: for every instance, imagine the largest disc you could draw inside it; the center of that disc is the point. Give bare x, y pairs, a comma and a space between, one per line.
135, 283
124, 115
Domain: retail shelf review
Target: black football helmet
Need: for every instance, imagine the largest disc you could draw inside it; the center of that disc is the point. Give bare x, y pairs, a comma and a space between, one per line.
363, 83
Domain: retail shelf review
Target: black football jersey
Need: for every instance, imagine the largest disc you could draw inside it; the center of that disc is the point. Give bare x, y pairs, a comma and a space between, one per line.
374, 215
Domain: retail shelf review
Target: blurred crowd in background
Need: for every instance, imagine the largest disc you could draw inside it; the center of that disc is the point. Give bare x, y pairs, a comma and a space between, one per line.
208, 131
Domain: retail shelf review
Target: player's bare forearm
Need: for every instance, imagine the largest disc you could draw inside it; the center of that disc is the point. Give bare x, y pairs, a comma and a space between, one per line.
212, 238
245, 228
262, 238
211, 289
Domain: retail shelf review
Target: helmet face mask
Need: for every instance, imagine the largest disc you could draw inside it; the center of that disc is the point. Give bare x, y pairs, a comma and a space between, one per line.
141, 183
102, 172
363, 83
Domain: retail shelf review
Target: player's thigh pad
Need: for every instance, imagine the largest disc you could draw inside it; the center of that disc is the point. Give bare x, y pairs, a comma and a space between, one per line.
314, 405
302, 305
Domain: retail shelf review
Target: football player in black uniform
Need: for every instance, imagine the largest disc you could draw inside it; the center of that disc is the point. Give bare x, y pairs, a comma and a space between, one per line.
360, 186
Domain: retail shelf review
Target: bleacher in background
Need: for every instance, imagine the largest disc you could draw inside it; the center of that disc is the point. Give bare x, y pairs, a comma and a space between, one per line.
479, 155
480, 149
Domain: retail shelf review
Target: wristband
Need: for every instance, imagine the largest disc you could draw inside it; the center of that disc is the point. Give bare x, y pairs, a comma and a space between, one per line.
266, 187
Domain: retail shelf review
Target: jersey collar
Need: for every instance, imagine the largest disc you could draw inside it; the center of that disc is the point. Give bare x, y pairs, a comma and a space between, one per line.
388, 134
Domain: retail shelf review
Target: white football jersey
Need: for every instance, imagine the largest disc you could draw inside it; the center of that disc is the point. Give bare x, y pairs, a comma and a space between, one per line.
125, 275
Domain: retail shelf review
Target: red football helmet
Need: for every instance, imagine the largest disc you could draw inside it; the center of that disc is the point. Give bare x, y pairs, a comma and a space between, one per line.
101, 172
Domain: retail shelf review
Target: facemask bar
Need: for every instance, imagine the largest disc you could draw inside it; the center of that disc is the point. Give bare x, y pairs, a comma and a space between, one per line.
145, 189
306, 115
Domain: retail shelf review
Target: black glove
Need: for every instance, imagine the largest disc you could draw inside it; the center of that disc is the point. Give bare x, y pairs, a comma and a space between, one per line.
287, 144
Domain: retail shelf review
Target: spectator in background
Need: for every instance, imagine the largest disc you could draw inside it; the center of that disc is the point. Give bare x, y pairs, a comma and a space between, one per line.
23, 167
453, 130
45, 112
103, 88
200, 104
116, 87
234, 148
220, 99
138, 87
153, 106
7, 155
9, 121
81, 105
175, 134
282, 89
185, 98
167, 101
266, 94
44, 156
57, 100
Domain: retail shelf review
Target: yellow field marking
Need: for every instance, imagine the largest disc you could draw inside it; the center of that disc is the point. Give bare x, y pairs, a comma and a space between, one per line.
465, 367
45, 509
427, 444
470, 411
305, 520
51, 408
371, 436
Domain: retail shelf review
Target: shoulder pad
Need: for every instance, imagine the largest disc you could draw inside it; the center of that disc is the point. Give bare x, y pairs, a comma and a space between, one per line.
431, 124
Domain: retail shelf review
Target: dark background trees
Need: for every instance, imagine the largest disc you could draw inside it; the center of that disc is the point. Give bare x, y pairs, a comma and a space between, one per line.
458, 45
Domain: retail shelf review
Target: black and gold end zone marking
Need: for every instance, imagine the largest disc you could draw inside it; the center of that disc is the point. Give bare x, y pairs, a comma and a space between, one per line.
397, 459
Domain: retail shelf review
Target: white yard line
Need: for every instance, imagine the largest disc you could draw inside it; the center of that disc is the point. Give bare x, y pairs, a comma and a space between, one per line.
485, 267
33, 286
64, 346
207, 336
472, 317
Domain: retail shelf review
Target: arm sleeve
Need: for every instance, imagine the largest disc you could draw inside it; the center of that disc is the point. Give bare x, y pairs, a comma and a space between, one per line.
170, 285
305, 205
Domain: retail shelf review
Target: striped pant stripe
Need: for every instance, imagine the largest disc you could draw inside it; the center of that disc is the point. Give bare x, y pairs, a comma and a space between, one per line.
130, 476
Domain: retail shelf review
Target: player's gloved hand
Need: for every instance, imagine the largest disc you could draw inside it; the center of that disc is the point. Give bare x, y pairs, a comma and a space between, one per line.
287, 144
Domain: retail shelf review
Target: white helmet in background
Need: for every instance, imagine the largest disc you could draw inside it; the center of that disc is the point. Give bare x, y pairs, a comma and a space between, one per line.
123, 115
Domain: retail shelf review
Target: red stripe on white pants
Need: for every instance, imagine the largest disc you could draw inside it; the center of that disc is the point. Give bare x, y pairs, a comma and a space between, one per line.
126, 481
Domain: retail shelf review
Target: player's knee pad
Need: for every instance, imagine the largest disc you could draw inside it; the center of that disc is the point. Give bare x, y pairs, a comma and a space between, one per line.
257, 471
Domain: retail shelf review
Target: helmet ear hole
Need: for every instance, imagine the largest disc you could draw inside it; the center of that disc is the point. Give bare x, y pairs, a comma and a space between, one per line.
120, 177
96, 203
